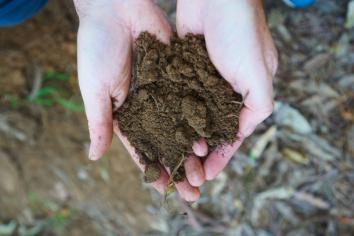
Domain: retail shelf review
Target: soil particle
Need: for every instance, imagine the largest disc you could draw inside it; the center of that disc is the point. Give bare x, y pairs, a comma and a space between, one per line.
152, 173
195, 112
176, 97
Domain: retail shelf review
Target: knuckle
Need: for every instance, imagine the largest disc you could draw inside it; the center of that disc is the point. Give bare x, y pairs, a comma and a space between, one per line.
272, 61
268, 110
264, 110
81, 8
272, 64
275, 62
87, 9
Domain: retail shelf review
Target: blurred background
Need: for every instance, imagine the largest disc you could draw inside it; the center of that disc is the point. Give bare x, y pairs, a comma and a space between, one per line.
294, 176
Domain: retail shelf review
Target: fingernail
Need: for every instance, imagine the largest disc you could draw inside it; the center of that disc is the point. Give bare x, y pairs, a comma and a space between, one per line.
192, 196
209, 177
248, 131
92, 156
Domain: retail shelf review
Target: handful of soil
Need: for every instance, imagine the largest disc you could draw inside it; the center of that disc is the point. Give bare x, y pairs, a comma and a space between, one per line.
176, 97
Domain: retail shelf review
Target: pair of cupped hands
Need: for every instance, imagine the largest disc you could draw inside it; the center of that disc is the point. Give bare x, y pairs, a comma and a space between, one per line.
239, 45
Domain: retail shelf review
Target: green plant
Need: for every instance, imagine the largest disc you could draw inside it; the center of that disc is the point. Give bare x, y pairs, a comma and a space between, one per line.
60, 218
56, 216
54, 92
53, 75
13, 100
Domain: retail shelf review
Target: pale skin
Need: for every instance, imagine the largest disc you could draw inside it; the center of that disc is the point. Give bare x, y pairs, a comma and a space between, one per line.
239, 45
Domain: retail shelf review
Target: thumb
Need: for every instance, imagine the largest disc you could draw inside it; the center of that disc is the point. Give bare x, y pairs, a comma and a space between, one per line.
104, 71
258, 104
99, 116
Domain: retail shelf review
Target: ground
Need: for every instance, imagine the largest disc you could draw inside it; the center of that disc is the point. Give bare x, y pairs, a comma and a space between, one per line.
294, 176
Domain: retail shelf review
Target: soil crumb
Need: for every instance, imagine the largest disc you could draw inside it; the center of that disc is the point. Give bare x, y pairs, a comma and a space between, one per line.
176, 97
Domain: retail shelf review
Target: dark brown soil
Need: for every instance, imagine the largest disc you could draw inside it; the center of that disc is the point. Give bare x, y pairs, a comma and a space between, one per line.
176, 97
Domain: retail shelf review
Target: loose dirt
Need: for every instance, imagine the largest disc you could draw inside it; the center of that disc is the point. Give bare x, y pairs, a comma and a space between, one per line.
176, 97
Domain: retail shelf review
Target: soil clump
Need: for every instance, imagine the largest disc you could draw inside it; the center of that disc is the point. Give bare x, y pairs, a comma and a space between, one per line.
176, 97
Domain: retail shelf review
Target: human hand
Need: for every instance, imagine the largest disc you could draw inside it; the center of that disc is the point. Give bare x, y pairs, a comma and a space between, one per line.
241, 48
105, 39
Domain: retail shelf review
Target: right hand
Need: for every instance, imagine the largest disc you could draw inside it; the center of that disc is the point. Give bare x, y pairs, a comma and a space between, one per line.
105, 39
241, 48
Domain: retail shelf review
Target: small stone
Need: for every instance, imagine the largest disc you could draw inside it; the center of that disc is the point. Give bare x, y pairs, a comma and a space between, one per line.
187, 71
143, 95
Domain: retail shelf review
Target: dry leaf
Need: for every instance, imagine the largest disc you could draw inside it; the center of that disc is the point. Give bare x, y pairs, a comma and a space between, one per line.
295, 156
262, 142
288, 116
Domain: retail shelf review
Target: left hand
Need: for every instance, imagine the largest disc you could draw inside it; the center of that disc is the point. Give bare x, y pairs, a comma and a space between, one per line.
107, 31
241, 48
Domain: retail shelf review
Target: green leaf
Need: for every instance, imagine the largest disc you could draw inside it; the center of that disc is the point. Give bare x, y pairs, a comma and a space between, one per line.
44, 102
33, 197
14, 101
41, 93
53, 75
50, 90
52, 206
77, 107
61, 218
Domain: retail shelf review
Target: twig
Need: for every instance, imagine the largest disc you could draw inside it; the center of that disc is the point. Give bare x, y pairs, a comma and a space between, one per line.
157, 106
232, 115
237, 102
37, 82
170, 184
315, 201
